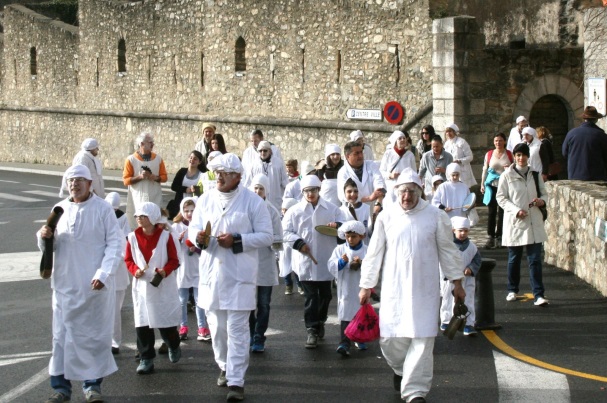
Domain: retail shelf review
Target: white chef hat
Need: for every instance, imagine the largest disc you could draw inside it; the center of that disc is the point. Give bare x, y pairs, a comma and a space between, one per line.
214, 154
226, 162
452, 168
184, 200
75, 171
310, 181
289, 202
89, 144
409, 176
264, 145
530, 130
260, 179
114, 199
306, 167
355, 135
395, 136
332, 149
437, 178
150, 210
351, 226
520, 119
452, 126
458, 222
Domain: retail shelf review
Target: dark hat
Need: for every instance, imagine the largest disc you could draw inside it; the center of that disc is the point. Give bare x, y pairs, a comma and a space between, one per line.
590, 112
521, 148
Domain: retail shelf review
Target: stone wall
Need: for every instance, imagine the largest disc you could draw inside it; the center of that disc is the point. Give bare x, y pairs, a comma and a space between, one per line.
572, 245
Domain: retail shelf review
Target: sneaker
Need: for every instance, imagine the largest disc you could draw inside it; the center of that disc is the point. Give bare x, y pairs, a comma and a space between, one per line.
443, 326
145, 367
235, 393
418, 399
511, 297
289, 290
490, 244
258, 347
498, 242
222, 380
312, 340
93, 396
321, 330
300, 290
175, 354
164, 349
204, 334
541, 301
343, 349
469, 331
183, 333
58, 397
115, 350
396, 381
361, 346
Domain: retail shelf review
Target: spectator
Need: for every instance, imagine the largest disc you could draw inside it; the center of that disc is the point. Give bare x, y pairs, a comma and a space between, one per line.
204, 145
218, 143
547, 155
585, 149
434, 162
185, 182
424, 144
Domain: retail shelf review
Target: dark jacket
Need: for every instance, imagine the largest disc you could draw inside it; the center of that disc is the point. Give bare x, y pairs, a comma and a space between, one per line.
585, 149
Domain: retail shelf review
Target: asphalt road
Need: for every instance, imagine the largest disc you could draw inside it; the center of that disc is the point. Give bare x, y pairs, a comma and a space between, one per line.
571, 334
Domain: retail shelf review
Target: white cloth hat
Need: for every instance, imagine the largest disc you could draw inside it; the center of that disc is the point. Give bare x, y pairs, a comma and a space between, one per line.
226, 162
214, 154
264, 145
289, 202
150, 210
395, 136
89, 144
260, 179
77, 171
458, 222
114, 199
409, 176
332, 149
520, 119
453, 167
306, 167
355, 135
184, 200
351, 226
452, 126
529, 130
436, 178
310, 181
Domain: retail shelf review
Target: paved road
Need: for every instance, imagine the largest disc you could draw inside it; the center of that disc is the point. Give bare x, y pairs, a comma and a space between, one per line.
571, 335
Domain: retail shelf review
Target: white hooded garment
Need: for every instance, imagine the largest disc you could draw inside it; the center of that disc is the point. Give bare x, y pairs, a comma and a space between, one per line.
392, 162
277, 174
268, 271
347, 281
88, 245
460, 150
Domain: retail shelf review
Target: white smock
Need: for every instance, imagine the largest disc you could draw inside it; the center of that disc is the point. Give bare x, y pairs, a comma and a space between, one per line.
293, 190
407, 246
460, 150
145, 190
122, 278
156, 307
277, 174
363, 214
328, 191
535, 162
347, 281
299, 223
250, 155
268, 271
371, 180
451, 194
88, 245
392, 162
94, 165
187, 273
228, 280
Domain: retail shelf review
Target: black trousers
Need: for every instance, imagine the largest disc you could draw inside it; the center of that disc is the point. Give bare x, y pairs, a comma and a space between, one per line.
146, 340
496, 216
343, 338
317, 298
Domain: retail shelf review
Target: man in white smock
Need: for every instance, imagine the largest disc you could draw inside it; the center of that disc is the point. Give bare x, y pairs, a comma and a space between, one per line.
143, 173
251, 153
516, 133
272, 167
88, 247
240, 225
411, 238
88, 156
359, 137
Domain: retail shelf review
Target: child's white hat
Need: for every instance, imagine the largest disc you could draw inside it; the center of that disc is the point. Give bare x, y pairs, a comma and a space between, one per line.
437, 178
460, 222
452, 168
351, 226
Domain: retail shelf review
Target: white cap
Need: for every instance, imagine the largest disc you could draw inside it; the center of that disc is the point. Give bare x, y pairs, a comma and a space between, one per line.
437, 178
306, 167
214, 154
453, 167
355, 135
452, 126
520, 119
310, 181
264, 145
184, 200
332, 149
77, 171
226, 162
351, 226
89, 144
529, 130
114, 199
260, 179
458, 222
409, 176
150, 210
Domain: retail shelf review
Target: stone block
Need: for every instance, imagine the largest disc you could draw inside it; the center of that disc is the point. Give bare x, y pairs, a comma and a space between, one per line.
477, 107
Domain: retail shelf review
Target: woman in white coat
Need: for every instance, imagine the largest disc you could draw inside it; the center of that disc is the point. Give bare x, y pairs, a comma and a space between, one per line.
267, 275
461, 152
523, 222
151, 256
395, 160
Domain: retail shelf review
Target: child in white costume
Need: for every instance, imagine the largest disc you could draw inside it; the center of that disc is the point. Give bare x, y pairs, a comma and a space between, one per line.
450, 195
344, 265
187, 275
472, 261
355, 210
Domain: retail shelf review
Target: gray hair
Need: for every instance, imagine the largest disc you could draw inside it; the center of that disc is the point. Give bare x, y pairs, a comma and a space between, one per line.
146, 134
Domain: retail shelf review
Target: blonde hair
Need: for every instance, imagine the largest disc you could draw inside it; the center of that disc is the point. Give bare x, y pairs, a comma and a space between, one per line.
543, 133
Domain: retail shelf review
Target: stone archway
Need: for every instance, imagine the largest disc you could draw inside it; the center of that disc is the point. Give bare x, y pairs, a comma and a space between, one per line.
551, 111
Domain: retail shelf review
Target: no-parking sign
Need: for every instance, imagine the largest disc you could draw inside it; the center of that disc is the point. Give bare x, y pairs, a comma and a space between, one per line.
393, 112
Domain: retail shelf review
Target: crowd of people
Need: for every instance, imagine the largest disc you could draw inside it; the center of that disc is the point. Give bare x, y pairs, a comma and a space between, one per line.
237, 224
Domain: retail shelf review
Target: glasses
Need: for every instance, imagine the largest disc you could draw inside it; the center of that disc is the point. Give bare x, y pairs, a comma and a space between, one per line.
76, 180
222, 174
311, 191
264, 151
406, 190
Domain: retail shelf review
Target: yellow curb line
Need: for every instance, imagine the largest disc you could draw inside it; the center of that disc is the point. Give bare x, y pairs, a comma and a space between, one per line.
499, 343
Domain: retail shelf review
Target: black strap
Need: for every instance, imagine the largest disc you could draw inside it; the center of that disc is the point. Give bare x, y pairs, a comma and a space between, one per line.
399, 158
537, 183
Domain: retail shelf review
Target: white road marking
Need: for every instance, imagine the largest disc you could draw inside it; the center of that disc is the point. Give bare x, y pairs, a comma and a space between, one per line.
39, 221
21, 355
19, 198
20, 266
43, 193
520, 382
123, 190
25, 387
2, 180
45, 186
17, 360
4, 222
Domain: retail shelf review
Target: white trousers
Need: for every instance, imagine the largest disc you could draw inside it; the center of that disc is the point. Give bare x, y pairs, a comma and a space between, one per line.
446, 308
117, 335
230, 334
412, 358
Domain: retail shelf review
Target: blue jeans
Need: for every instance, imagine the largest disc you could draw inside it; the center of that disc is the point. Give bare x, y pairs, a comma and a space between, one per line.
184, 296
289, 281
534, 258
62, 385
258, 324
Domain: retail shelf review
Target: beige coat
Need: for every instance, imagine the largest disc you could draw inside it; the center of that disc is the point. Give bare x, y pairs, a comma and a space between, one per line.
514, 193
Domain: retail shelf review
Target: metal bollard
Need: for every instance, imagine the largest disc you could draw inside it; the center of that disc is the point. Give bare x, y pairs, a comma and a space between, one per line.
484, 305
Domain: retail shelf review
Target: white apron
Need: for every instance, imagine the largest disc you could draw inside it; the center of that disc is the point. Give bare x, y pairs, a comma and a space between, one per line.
347, 281
187, 274
144, 191
328, 191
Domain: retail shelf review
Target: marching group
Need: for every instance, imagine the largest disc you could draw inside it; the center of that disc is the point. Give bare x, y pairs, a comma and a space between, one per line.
238, 224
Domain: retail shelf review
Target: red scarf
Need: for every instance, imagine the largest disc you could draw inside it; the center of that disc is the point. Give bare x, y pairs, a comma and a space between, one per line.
400, 152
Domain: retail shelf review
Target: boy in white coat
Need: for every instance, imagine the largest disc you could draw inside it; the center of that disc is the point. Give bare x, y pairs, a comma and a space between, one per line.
450, 195
355, 210
344, 265
472, 263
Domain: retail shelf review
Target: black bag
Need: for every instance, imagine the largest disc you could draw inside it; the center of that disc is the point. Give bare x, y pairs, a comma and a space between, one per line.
543, 209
